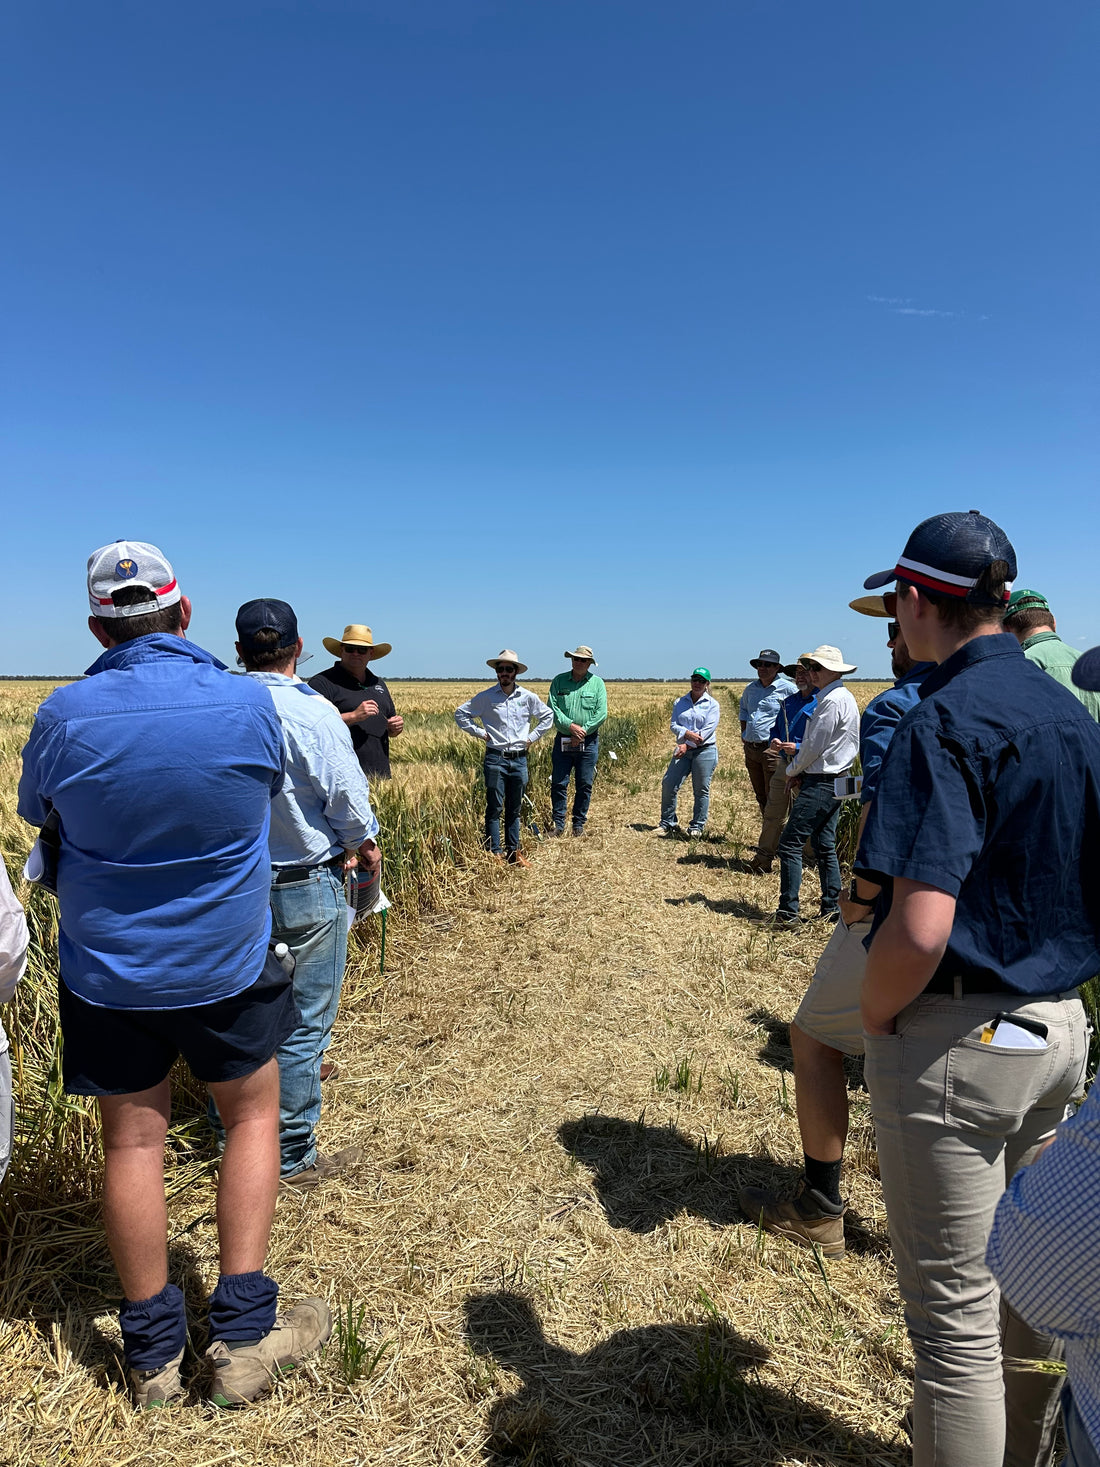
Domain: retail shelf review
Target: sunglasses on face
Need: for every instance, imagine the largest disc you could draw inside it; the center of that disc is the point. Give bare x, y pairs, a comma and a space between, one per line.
768, 664
813, 667
698, 679
356, 651
507, 668
895, 631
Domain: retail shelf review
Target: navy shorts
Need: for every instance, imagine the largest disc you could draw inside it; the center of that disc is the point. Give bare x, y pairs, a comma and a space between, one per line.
122, 1051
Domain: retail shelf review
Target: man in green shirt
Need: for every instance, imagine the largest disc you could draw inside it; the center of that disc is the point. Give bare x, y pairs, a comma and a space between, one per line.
578, 701
1031, 621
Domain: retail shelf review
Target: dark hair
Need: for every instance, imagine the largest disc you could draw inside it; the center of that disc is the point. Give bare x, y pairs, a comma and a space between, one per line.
967, 616
264, 652
126, 628
1029, 620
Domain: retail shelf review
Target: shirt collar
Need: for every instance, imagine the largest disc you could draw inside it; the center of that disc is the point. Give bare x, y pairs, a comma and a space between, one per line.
274, 679
1041, 637
916, 674
151, 649
978, 649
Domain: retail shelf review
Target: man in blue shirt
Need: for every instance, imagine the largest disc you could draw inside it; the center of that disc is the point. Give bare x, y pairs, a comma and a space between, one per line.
827, 1025
983, 838
784, 742
758, 709
322, 824
161, 767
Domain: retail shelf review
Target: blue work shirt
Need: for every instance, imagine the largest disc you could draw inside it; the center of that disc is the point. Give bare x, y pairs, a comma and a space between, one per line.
990, 791
790, 721
162, 767
880, 718
760, 705
323, 808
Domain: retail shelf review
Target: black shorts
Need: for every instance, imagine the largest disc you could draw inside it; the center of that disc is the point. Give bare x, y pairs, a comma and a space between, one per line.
122, 1051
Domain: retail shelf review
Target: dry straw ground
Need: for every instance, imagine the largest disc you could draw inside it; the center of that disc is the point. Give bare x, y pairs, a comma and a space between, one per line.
558, 1087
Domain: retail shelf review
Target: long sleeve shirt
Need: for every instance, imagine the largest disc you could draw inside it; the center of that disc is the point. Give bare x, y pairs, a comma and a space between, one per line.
1044, 1251
760, 705
880, 718
13, 944
324, 805
505, 718
583, 703
831, 740
1048, 651
794, 713
699, 718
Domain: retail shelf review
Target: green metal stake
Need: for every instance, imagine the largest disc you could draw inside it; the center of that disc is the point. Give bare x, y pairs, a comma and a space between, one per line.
382, 958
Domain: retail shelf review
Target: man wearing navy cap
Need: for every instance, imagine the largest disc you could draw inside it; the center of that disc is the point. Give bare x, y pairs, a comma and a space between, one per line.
982, 836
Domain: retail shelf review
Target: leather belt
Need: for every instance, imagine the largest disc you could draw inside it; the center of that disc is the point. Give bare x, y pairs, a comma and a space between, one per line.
513, 752
284, 875
960, 987
756, 743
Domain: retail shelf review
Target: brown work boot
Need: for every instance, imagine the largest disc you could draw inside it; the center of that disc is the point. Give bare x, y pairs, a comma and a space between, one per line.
518, 860
158, 1387
324, 1168
329, 1070
243, 1372
808, 1218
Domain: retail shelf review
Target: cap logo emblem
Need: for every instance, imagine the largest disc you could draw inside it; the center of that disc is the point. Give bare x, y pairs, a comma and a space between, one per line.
126, 570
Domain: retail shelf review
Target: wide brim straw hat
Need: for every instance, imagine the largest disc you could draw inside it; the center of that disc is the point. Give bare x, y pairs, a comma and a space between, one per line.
357, 635
870, 605
829, 658
792, 667
506, 656
580, 650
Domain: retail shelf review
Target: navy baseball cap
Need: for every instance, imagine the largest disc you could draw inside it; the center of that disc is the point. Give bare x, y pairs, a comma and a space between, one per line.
948, 553
1086, 671
266, 615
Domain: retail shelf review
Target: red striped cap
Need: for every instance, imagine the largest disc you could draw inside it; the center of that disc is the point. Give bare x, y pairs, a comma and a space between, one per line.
947, 555
130, 563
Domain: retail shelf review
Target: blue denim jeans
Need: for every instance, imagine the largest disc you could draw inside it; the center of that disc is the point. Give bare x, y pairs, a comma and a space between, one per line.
1082, 1453
813, 817
700, 763
311, 917
582, 765
505, 782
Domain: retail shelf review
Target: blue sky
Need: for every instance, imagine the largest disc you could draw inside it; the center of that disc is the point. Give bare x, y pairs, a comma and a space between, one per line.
646, 325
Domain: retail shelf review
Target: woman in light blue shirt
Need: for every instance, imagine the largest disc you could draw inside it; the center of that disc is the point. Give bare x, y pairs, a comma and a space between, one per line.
694, 726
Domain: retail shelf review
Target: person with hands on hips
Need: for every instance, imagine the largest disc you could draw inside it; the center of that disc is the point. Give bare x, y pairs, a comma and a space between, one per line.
694, 726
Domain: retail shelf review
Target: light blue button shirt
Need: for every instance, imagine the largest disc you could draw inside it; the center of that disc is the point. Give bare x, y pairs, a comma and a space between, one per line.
505, 717
324, 806
700, 718
760, 707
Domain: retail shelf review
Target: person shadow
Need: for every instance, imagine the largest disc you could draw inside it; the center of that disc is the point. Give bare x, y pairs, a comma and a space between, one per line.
725, 906
667, 1395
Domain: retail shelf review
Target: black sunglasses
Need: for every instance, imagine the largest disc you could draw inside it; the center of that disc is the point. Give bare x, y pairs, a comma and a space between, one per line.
507, 667
356, 651
895, 631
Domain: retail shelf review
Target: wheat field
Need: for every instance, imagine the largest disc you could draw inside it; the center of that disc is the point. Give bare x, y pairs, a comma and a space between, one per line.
558, 1084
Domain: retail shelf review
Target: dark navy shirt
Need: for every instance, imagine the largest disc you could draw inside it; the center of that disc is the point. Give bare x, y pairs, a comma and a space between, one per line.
880, 718
990, 791
790, 723
162, 767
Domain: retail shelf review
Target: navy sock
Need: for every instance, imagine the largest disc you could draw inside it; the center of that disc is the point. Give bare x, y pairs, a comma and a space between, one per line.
824, 1177
242, 1307
154, 1330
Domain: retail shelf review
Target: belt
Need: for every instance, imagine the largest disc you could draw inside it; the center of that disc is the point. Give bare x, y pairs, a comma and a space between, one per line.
284, 875
510, 753
960, 987
756, 743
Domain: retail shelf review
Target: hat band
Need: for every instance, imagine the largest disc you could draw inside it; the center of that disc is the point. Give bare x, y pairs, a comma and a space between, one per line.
941, 581
157, 591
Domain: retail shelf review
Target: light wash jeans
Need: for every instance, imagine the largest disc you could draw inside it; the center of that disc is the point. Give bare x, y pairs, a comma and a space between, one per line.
311, 917
700, 763
954, 1119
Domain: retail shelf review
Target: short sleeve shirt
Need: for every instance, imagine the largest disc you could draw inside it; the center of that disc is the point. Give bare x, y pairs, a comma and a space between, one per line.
370, 739
990, 791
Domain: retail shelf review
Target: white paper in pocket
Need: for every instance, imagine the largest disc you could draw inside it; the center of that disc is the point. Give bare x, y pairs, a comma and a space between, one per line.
1012, 1036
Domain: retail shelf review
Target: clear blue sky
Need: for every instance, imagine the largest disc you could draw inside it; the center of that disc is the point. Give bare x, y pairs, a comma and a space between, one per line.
647, 325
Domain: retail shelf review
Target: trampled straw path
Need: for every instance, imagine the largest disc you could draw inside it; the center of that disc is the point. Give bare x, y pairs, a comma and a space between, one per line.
557, 1089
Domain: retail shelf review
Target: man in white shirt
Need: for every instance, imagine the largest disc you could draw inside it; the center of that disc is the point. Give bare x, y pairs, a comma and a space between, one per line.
505, 713
829, 745
13, 963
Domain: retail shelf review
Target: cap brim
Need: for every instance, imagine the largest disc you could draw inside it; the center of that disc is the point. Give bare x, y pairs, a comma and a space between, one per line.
1086, 671
880, 578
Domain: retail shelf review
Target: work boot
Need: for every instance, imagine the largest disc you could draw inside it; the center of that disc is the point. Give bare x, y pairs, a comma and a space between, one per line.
808, 1218
243, 1372
518, 860
330, 1070
323, 1169
668, 830
158, 1387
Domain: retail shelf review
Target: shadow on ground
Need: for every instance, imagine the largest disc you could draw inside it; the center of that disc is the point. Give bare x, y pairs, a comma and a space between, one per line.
776, 1049
669, 1395
727, 906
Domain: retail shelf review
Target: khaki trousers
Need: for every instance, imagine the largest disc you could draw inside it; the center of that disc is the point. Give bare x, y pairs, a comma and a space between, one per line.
758, 772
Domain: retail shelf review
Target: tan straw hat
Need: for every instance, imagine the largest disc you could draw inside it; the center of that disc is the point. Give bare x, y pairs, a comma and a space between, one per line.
789, 669
870, 605
580, 650
357, 635
506, 656
828, 658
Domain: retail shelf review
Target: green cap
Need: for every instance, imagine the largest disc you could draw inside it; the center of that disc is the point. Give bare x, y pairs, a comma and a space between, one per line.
1026, 601
701, 672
